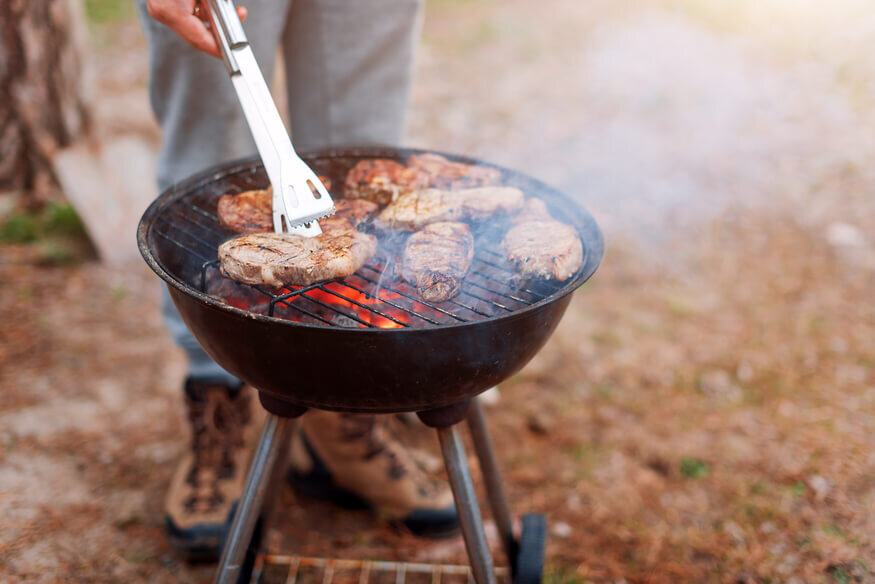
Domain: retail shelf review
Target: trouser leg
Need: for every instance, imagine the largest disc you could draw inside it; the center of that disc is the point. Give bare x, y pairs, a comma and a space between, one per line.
349, 68
203, 125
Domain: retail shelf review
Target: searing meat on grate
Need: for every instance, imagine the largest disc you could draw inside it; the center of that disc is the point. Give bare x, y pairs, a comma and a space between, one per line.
247, 212
437, 258
349, 214
533, 210
281, 259
540, 246
381, 181
335, 223
485, 202
419, 208
356, 211
445, 174
414, 210
251, 211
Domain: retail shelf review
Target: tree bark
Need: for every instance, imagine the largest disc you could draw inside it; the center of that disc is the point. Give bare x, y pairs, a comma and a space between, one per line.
41, 104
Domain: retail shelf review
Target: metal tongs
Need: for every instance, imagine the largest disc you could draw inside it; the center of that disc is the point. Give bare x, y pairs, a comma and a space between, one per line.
299, 197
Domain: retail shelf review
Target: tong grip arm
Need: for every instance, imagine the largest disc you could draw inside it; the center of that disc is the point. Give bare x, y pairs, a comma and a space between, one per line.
229, 31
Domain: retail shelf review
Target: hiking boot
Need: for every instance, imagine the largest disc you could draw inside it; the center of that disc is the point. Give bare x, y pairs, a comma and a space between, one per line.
210, 478
350, 460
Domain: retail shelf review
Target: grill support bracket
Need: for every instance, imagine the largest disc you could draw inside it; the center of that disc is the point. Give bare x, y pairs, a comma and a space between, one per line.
276, 434
456, 462
492, 479
278, 428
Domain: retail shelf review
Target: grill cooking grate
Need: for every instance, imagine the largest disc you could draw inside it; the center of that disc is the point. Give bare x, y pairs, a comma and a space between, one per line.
282, 569
370, 298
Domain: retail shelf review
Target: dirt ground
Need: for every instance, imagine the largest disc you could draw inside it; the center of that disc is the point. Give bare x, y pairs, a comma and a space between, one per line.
704, 413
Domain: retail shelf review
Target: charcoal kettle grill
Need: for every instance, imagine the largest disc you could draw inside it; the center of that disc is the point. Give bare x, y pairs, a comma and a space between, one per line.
366, 343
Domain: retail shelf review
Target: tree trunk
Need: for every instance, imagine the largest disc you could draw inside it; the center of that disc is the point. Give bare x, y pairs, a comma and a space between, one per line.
41, 105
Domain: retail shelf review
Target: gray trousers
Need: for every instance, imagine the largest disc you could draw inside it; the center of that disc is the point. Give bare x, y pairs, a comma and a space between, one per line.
348, 75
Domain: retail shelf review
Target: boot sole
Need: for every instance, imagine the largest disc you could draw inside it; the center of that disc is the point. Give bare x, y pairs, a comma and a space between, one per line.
197, 545
200, 543
322, 488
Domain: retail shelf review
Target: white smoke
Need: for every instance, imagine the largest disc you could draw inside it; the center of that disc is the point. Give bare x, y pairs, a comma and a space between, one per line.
657, 124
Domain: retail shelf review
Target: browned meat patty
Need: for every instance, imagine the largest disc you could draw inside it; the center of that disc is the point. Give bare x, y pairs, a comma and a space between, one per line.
356, 211
484, 202
251, 211
381, 181
416, 209
533, 210
247, 212
335, 223
281, 259
444, 174
544, 248
437, 258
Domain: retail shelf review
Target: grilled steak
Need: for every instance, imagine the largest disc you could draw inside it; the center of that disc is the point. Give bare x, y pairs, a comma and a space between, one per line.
441, 173
540, 246
416, 209
335, 223
419, 208
356, 211
349, 215
381, 181
251, 211
247, 212
533, 210
280, 259
484, 202
437, 258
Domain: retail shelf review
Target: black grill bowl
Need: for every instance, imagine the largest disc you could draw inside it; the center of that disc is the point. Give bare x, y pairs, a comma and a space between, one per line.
351, 369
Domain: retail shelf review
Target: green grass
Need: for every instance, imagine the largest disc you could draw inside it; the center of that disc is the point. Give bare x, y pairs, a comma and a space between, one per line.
119, 293
553, 575
694, 468
679, 307
56, 219
56, 233
18, 229
126, 522
758, 488
798, 489
62, 219
108, 11
838, 574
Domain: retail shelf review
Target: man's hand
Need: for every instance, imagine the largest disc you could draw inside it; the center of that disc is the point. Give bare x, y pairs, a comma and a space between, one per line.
186, 18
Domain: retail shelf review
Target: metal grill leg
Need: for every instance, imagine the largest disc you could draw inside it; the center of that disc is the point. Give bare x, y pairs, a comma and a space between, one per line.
492, 478
276, 431
466, 503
